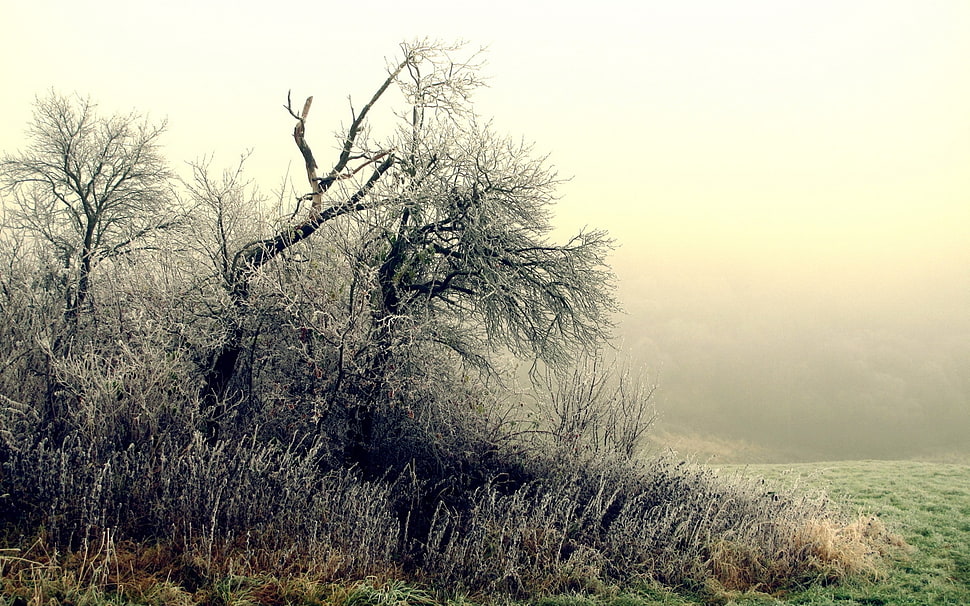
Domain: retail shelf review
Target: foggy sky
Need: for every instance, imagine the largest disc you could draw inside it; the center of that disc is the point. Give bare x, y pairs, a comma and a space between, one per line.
807, 370
788, 182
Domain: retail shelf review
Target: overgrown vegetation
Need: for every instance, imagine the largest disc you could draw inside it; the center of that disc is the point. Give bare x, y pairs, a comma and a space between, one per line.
193, 397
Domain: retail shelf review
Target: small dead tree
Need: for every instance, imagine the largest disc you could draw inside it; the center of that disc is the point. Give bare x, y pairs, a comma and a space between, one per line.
224, 214
598, 406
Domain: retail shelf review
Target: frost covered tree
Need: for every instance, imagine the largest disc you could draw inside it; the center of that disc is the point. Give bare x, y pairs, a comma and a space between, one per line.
452, 226
89, 186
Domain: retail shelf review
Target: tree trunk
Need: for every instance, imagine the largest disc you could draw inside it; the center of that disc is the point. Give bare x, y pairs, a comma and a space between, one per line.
216, 382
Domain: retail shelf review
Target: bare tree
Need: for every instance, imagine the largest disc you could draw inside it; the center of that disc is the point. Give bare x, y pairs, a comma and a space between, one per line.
468, 245
463, 242
453, 224
90, 187
598, 406
224, 214
325, 202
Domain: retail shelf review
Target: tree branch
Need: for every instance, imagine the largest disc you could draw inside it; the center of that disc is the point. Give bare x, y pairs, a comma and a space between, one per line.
251, 257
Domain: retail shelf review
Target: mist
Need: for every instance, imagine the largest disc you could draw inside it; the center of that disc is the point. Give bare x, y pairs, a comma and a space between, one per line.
762, 359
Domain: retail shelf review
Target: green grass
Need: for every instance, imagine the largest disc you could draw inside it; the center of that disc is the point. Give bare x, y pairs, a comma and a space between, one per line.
927, 504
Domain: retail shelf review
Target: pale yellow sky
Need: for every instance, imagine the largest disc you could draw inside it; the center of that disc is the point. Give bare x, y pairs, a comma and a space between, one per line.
776, 158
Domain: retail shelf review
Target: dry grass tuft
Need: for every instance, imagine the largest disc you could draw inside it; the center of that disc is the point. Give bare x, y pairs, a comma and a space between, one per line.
820, 551
836, 551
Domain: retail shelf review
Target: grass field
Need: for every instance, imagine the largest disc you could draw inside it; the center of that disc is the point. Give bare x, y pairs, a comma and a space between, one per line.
927, 504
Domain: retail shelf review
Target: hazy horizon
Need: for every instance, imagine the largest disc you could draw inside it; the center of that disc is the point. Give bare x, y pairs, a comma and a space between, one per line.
787, 182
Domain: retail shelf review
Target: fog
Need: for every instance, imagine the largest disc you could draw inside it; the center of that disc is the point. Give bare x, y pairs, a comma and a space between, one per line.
835, 360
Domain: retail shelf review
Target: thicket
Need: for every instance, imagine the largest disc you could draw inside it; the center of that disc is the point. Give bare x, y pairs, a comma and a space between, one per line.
322, 393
